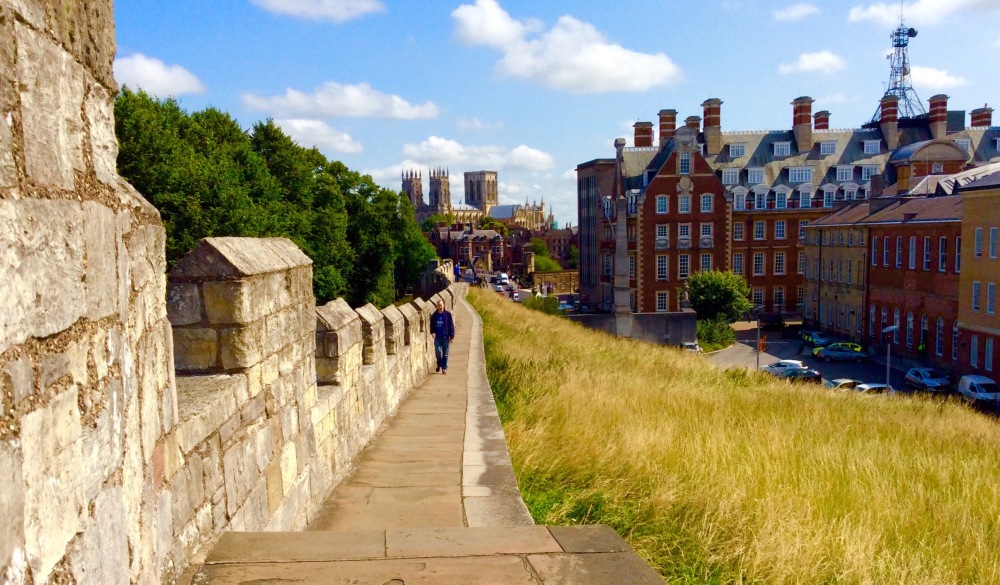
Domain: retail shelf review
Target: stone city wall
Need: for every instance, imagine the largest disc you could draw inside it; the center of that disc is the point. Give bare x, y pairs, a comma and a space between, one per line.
86, 387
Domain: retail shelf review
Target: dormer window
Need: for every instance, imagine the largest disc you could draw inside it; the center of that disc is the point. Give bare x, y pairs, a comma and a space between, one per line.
937, 168
737, 150
845, 173
873, 146
755, 176
827, 147
685, 163
800, 174
868, 171
782, 148
965, 143
730, 176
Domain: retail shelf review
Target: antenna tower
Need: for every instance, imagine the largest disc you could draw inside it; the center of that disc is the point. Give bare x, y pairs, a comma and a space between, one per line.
900, 83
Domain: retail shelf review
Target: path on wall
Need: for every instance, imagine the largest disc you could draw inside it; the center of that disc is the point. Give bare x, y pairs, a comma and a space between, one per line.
432, 500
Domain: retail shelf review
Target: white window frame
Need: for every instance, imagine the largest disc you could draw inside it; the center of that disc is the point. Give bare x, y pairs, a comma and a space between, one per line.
706, 266
760, 200
662, 267
988, 355
781, 200
939, 337
707, 198
974, 351
977, 243
993, 243
958, 255
899, 251
828, 198
782, 149
759, 270
827, 147
706, 230
976, 294
803, 224
755, 176
738, 266
801, 267
991, 301
873, 146
805, 199
683, 266
739, 230
779, 229
740, 201
730, 176
684, 204
942, 254
663, 230
662, 204
662, 301
779, 264
868, 171
737, 149
874, 250
762, 231
913, 253
800, 174
927, 253
684, 163
845, 173
965, 144
885, 252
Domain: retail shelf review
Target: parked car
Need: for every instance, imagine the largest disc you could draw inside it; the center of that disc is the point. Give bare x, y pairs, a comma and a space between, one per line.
781, 366
801, 375
979, 391
874, 388
927, 379
691, 346
840, 354
842, 384
841, 345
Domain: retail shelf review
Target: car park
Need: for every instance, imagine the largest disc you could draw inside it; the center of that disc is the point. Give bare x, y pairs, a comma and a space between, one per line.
840, 354
801, 375
979, 391
843, 345
927, 379
842, 384
816, 338
874, 388
781, 366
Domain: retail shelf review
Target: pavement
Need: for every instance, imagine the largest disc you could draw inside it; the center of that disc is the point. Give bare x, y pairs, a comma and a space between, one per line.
433, 499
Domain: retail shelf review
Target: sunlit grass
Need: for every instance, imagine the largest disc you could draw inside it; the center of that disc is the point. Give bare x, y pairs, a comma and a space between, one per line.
729, 476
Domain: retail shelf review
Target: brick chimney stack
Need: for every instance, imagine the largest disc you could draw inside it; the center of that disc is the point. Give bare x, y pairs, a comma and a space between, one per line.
668, 124
982, 117
939, 115
889, 121
693, 122
643, 134
822, 120
802, 123
712, 109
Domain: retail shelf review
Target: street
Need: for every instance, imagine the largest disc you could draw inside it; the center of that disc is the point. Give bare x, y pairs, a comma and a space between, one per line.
742, 354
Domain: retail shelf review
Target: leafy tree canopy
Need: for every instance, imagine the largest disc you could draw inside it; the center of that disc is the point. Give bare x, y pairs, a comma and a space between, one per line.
540, 248
489, 223
573, 257
546, 264
429, 223
719, 296
209, 177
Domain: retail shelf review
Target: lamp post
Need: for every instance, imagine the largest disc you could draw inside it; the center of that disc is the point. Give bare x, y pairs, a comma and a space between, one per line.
888, 353
756, 311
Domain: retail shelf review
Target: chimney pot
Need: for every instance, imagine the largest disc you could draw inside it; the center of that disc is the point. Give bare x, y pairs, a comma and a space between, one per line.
712, 109
982, 117
668, 125
643, 134
693, 122
938, 115
822, 120
802, 123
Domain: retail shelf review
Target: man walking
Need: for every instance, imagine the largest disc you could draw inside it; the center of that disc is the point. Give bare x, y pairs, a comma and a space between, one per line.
443, 331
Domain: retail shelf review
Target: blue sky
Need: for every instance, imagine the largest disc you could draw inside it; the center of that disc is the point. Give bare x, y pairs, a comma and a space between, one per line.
531, 89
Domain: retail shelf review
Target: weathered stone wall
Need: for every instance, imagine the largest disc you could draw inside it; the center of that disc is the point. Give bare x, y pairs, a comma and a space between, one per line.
85, 387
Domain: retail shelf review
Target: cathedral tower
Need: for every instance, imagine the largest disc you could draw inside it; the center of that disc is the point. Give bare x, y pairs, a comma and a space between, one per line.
413, 186
440, 194
481, 189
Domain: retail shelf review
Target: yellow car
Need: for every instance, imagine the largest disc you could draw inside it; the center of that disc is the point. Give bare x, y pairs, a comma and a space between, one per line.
845, 345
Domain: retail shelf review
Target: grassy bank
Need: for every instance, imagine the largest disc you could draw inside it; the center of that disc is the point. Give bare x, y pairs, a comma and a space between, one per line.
731, 477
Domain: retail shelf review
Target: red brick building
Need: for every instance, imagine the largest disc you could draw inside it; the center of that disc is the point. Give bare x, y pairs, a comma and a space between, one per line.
484, 249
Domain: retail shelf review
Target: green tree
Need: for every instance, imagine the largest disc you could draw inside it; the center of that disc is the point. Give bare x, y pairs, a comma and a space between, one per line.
546, 264
429, 223
719, 296
548, 305
573, 257
488, 223
540, 248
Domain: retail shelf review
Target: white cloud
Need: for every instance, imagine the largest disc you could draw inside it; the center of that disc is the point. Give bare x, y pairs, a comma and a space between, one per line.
437, 151
332, 10
335, 100
821, 62
919, 12
477, 125
795, 12
156, 77
935, 79
572, 55
318, 133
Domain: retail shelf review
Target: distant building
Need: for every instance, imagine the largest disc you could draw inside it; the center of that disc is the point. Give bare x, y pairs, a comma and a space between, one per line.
978, 326
481, 200
466, 246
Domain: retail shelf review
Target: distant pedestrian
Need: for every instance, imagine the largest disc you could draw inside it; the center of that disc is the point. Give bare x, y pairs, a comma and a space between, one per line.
443, 331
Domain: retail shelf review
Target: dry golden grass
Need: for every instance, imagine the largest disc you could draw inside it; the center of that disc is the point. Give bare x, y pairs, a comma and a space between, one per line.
726, 477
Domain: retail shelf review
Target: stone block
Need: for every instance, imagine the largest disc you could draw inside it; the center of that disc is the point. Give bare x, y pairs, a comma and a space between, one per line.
373, 333
204, 403
8, 102
253, 514
173, 459
275, 493
394, 329
103, 144
183, 303
100, 554
289, 466
70, 365
228, 258
18, 379
51, 443
196, 350
41, 248
102, 260
11, 504
239, 471
242, 347
230, 302
52, 92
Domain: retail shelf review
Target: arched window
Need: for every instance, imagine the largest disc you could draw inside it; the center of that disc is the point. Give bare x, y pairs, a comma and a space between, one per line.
871, 321
939, 337
909, 329
923, 330
895, 322
885, 319
954, 341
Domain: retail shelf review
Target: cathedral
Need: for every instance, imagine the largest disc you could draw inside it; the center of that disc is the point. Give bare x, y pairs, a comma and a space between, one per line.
481, 200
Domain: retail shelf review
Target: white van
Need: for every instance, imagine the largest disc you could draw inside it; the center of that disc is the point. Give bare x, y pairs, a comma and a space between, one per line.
979, 390
503, 279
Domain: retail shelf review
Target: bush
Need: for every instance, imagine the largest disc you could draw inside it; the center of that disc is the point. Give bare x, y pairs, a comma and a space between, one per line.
548, 305
715, 334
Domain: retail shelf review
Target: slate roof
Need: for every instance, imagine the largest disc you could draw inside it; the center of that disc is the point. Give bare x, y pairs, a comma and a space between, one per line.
504, 211
847, 215
990, 181
947, 208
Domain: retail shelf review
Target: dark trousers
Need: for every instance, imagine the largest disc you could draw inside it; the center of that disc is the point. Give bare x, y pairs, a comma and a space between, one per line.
441, 345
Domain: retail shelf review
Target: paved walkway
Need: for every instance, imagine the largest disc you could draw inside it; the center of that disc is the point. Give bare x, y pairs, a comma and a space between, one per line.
433, 500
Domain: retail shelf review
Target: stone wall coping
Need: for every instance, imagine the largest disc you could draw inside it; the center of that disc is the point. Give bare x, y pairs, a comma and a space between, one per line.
393, 315
370, 315
204, 404
232, 258
408, 311
335, 315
